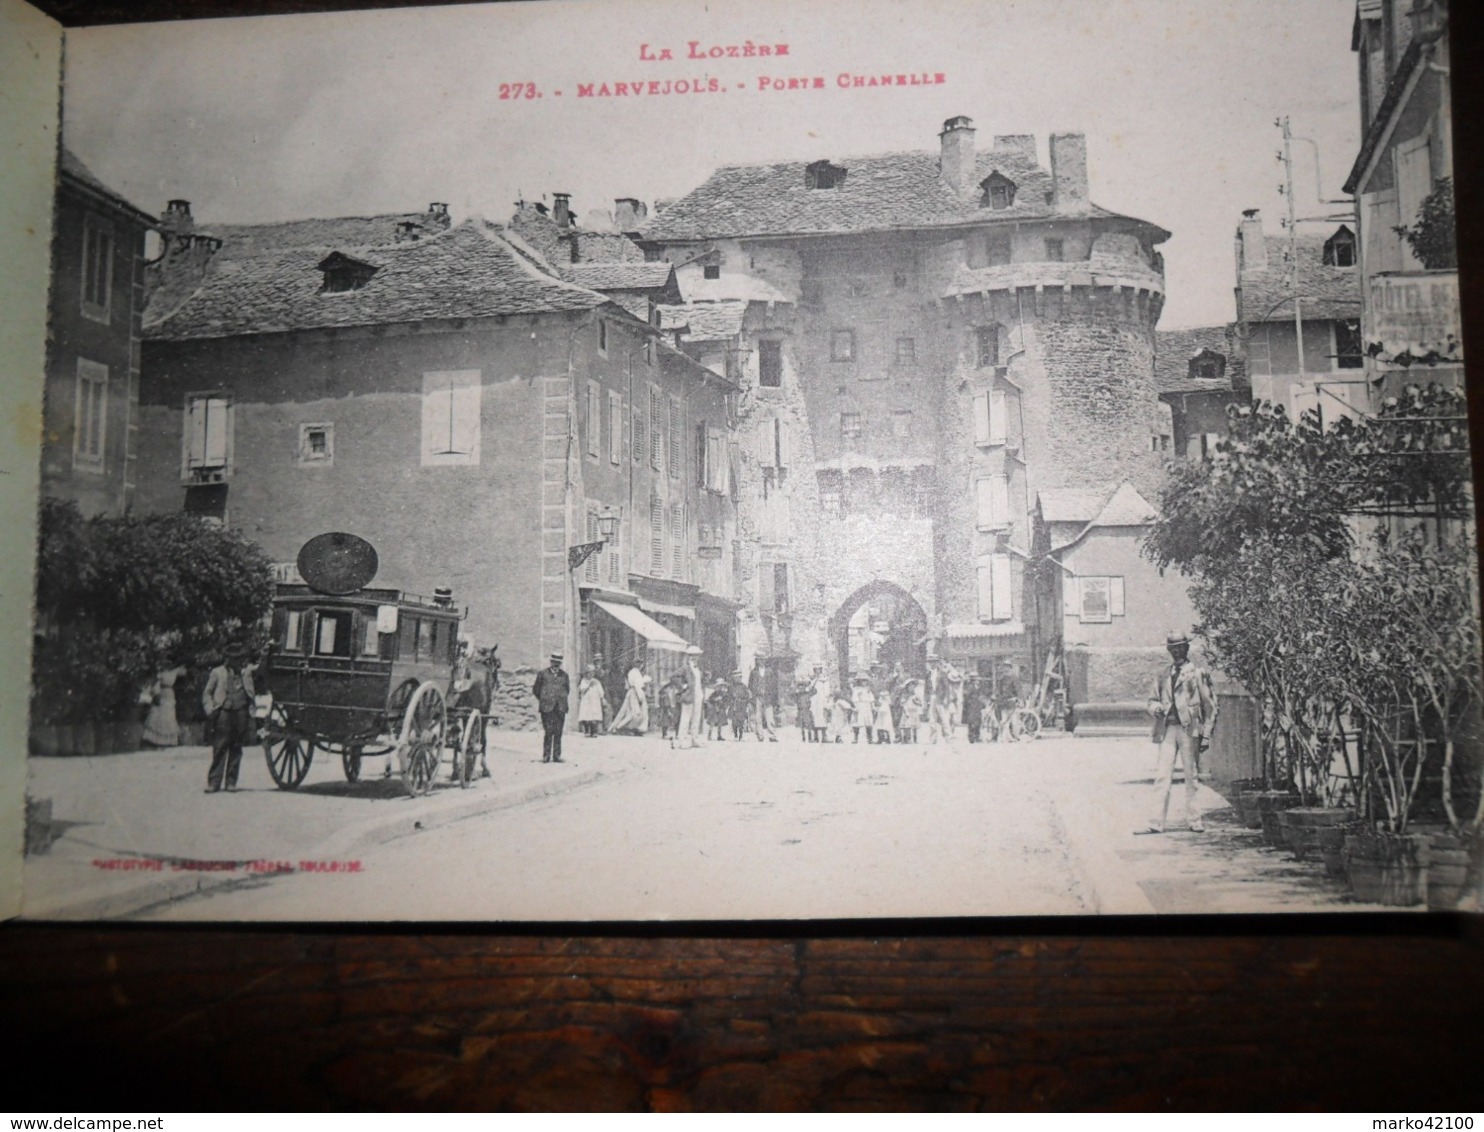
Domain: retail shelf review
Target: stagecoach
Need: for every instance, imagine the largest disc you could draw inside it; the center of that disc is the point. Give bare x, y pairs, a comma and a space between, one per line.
360, 672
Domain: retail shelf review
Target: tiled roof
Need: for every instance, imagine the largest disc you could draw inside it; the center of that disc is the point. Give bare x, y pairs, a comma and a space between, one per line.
619, 276
885, 191
1326, 292
705, 322
254, 285
339, 232
1174, 349
73, 169
1071, 504
1127, 508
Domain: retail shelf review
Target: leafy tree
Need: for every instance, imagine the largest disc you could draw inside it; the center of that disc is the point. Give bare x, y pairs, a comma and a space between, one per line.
1329, 621
119, 599
1433, 236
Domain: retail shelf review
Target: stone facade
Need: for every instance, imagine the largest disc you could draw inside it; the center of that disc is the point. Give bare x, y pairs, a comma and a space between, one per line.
92, 366
926, 378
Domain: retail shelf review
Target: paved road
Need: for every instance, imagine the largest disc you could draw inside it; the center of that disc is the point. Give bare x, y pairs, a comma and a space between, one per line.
734, 830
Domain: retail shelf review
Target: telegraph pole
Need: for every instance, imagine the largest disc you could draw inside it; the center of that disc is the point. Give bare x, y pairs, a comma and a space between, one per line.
1291, 223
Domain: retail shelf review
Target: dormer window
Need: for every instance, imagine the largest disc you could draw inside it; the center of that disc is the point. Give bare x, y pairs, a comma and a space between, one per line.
998, 191
1208, 365
1339, 249
342, 273
823, 175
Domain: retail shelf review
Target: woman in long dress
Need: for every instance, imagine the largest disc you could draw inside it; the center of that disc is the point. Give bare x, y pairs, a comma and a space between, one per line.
590, 702
633, 715
161, 728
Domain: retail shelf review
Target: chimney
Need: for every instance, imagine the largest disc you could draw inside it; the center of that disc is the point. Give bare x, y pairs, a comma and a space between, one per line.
1023, 144
438, 214
562, 212
629, 213
176, 219
1252, 248
956, 159
1069, 172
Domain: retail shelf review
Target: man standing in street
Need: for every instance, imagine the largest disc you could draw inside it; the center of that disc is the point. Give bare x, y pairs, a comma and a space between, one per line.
757, 692
552, 689
228, 699
692, 701
1184, 710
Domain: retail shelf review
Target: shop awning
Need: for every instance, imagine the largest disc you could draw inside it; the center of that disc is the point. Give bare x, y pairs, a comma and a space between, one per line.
983, 630
683, 611
647, 627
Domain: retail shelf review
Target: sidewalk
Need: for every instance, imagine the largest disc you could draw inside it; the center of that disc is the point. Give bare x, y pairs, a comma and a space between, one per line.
134, 830
1104, 791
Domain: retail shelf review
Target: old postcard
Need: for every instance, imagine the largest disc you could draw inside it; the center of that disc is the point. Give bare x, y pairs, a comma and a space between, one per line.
648, 461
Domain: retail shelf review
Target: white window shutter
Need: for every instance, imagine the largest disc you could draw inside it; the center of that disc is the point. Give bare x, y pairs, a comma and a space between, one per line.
765, 442
591, 565
1000, 583
615, 426
594, 419
196, 433
984, 516
997, 421
981, 418
984, 574
1071, 596
1115, 597
216, 432
785, 445
999, 487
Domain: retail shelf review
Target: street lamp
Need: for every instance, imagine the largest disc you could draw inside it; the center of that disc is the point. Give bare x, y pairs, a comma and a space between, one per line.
607, 532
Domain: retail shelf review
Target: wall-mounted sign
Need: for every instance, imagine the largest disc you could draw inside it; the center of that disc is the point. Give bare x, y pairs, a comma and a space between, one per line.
1413, 319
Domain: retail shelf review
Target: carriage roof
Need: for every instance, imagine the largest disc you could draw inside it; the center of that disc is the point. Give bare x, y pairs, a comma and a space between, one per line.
297, 593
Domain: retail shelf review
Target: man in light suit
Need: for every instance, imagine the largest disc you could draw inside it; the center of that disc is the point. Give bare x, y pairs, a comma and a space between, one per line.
1183, 707
228, 699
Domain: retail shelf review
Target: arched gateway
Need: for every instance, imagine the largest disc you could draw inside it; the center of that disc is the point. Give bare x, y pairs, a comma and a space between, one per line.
880, 624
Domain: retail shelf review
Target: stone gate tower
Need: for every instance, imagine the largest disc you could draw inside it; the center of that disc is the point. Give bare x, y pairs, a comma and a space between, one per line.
926, 341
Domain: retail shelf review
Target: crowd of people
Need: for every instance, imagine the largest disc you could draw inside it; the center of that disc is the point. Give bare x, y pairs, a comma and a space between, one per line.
880, 707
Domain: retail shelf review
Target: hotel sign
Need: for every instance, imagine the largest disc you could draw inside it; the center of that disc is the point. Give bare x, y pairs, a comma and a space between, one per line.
1413, 319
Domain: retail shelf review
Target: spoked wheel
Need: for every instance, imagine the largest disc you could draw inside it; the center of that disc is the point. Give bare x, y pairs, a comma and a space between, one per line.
350, 762
1027, 725
288, 753
471, 750
421, 742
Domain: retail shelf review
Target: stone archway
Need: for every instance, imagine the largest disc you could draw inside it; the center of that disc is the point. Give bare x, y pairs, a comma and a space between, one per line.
880, 624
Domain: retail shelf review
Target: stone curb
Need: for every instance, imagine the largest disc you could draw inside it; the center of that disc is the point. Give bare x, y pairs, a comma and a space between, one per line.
153, 890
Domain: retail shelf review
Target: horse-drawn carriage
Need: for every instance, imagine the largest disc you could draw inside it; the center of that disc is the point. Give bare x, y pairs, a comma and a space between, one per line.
363, 672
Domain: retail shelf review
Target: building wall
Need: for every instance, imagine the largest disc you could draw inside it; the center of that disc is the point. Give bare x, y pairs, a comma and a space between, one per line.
1077, 381
98, 488
468, 527
1116, 661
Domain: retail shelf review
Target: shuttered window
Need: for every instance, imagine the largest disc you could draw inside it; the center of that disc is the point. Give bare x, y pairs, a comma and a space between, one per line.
992, 502
594, 418
590, 567
676, 453
657, 537
615, 427
994, 587
656, 429
990, 417
677, 540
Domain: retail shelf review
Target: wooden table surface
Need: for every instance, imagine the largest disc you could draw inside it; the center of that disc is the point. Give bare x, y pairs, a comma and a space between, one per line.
970, 1018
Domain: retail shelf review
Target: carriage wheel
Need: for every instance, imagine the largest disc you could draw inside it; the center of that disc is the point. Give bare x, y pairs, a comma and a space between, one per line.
421, 743
350, 762
471, 750
396, 706
288, 753
1027, 725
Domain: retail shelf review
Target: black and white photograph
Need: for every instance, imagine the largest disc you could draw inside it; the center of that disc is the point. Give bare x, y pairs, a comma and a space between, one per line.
663, 462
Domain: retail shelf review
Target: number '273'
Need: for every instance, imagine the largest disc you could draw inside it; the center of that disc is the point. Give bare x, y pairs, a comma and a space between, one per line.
518, 90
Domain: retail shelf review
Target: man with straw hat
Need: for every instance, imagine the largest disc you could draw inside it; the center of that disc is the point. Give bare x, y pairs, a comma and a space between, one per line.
1183, 707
